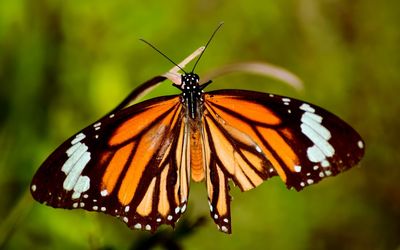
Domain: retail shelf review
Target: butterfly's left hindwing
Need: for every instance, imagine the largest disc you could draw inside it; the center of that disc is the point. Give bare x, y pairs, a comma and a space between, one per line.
125, 165
303, 142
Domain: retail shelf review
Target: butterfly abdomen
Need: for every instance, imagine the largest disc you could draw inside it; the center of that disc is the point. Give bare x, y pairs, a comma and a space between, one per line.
196, 154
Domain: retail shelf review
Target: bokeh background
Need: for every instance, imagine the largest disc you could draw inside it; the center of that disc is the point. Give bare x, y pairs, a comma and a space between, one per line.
63, 64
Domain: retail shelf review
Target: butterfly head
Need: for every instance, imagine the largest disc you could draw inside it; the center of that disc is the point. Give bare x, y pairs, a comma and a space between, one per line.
189, 81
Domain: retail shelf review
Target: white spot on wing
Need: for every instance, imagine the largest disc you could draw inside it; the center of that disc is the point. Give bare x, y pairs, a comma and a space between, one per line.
72, 149
325, 163
183, 208
307, 107
319, 141
76, 195
360, 144
104, 192
314, 154
33, 188
297, 168
312, 128
313, 116
82, 185
224, 229
316, 126
79, 137
73, 158
76, 171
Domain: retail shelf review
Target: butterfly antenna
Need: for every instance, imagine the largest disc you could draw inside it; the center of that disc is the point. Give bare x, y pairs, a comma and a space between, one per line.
209, 40
169, 59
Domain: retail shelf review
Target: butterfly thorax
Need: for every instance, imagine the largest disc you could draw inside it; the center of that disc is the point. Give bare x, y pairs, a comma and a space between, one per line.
192, 95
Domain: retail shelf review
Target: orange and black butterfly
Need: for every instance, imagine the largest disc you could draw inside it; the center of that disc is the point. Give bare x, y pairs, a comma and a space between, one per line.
136, 162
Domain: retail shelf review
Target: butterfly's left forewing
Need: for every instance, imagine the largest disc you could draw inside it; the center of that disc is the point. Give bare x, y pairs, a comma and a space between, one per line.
128, 164
303, 142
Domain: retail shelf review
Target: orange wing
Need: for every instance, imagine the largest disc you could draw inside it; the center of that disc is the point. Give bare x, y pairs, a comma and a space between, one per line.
251, 136
230, 153
130, 164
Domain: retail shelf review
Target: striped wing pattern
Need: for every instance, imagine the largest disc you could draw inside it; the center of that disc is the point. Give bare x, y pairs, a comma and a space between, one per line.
128, 165
304, 143
252, 136
233, 155
136, 164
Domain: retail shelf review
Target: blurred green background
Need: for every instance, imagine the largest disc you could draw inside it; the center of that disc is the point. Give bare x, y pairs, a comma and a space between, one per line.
63, 64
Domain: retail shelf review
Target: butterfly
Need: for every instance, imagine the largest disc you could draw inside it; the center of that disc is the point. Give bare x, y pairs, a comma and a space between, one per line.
136, 162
